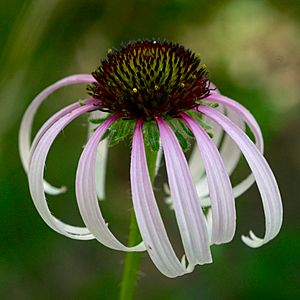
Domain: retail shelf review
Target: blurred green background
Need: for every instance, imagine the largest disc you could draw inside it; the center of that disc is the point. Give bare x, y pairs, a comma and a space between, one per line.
252, 49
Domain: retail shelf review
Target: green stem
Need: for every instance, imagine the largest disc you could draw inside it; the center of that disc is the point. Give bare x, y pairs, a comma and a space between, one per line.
133, 259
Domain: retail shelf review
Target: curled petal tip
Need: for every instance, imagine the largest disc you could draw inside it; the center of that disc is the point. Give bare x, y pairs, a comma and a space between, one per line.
183, 261
251, 243
52, 190
252, 240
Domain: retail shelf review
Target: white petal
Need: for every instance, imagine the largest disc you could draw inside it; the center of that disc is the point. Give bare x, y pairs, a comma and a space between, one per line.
86, 193
148, 217
263, 174
36, 174
189, 215
209, 223
213, 88
158, 160
221, 195
26, 124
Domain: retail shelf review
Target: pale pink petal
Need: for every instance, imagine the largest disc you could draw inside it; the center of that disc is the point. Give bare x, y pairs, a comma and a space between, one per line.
147, 213
189, 215
244, 114
230, 154
26, 124
220, 190
86, 193
36, 173
229, 151
49, 189
254, 127
264, 177
101, 157
195, 161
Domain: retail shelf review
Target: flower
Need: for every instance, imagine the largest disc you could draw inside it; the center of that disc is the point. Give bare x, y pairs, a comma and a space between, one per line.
159, 93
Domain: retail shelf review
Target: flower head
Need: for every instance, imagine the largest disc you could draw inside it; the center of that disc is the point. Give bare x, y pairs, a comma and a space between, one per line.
159, 93
147, 78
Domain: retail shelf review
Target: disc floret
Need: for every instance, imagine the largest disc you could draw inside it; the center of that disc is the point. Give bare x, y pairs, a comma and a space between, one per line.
146, 79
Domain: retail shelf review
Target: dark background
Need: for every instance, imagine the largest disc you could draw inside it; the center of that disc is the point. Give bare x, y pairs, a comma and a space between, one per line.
252, 51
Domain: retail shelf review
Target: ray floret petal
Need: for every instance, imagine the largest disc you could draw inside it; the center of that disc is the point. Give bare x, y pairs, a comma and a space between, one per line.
101, 156
262, 173
87, 197
189, 215
147, 213
220, 190
27, 120
37, 162
229, 151
230, 155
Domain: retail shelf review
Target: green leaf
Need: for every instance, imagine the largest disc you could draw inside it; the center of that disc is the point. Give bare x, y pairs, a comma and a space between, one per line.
182, 133
214, 105
179, 125
151, 135
197, 117
97, 121
211, 104
105, 135
185, 128
81, 103
120, 130
100, 121
184, 143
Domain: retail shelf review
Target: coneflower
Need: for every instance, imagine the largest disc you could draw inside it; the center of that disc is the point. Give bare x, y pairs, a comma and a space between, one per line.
159, 94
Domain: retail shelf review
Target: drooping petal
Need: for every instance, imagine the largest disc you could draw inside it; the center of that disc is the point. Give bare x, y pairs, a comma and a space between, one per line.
86, 193
101, 157
195, 161
244, 113
230, 154
189, 215
263, 174
147, 213
254, 127
26, 124
229, 151
220, 190
49, 189
36, 173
